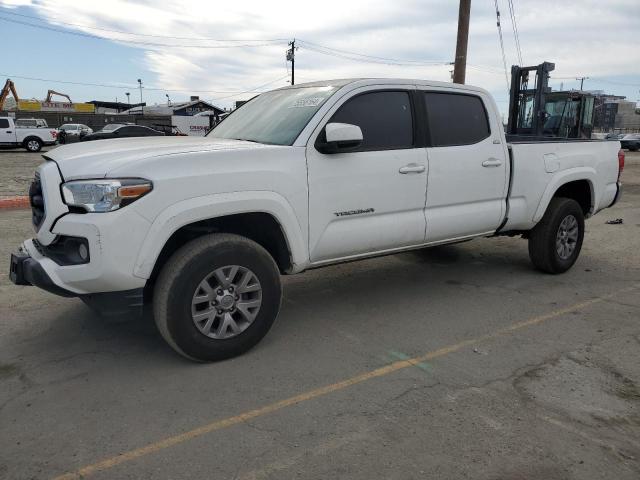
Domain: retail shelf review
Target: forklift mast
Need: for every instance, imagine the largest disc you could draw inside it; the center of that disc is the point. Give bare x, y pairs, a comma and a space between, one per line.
527, 98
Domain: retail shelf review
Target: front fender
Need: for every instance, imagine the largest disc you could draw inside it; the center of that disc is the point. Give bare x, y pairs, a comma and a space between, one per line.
211, 206
561, 178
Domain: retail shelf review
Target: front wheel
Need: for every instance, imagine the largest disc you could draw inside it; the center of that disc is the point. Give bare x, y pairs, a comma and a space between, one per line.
217, 297
555, 242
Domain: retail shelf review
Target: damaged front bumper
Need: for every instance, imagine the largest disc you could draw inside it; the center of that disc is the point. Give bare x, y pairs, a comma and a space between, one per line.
25, 270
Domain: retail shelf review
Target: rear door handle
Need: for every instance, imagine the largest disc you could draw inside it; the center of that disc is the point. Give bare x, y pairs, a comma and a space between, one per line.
412, 168
492, 162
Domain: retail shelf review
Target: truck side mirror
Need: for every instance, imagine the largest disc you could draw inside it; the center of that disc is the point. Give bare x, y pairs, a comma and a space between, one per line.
339, 137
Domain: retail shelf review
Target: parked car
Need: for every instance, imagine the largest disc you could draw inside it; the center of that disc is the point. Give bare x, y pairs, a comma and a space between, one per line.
30, 138
200, 229
73, 132
614, 136
112, 126
75, 129
123, 131
631, 142
31, 122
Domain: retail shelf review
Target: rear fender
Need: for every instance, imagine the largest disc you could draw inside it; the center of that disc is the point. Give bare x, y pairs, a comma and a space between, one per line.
562, 178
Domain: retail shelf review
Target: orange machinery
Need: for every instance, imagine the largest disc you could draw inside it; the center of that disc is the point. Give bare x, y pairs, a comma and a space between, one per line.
9, 87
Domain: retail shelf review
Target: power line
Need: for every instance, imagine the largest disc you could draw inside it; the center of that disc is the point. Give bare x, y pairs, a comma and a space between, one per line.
381, 59
516, 34
367, 59
614, 82
253, 90
487, 69
598, 79
135, 42
338, 53
122, 32
125, 87
504, 58
265, 42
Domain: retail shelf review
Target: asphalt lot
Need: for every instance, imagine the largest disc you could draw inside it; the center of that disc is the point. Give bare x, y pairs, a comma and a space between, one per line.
16, 170
454, 362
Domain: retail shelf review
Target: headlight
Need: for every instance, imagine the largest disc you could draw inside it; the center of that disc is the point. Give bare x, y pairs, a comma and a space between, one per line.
104, 195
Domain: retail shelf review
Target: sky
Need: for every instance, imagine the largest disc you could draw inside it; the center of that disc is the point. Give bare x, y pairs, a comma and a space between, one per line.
228, 51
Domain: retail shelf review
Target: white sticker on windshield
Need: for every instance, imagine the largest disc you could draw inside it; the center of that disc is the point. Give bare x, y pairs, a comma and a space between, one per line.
307, 102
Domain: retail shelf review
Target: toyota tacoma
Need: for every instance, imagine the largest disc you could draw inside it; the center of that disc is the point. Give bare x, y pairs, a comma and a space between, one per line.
200, 230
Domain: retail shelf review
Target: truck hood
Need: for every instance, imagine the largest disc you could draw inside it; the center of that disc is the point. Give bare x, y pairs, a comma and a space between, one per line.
97, 158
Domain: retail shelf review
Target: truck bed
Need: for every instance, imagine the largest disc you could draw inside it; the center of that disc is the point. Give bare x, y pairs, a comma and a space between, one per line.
539, 166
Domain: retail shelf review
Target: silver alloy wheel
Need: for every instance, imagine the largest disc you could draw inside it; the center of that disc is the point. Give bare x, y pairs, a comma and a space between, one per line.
226, 302
567, 237
33, 145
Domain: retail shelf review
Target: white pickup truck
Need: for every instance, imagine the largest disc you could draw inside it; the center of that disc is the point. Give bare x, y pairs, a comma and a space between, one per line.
200, 229
30, 138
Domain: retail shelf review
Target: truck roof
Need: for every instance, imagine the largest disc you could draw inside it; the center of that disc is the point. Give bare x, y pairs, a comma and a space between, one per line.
363, 82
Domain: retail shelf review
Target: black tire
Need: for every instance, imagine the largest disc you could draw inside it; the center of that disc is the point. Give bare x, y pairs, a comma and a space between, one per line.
180, 279
32, 144
542, 239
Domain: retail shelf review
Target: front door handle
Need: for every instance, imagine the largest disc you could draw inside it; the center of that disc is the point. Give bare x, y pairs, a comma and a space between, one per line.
412, 168
492, 162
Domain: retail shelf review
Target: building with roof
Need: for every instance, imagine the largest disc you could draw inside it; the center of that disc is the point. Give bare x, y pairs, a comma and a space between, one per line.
190, 108
615, 113
113, 107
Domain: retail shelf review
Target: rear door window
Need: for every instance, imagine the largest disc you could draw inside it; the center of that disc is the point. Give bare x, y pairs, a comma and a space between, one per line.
4, 123
456, 119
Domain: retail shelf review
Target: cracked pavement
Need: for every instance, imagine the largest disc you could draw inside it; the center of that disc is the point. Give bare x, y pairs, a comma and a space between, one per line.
556, 400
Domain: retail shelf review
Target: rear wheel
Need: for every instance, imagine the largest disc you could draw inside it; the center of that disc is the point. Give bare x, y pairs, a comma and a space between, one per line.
555, 242
33, 144
217, 297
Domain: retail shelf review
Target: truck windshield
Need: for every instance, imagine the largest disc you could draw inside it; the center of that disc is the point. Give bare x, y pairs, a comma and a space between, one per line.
276, 117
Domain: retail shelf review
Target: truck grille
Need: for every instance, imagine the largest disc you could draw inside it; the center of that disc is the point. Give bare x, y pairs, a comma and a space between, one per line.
37, 201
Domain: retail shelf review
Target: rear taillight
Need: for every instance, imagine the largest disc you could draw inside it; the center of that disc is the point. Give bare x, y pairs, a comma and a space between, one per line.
620, 163
54, 133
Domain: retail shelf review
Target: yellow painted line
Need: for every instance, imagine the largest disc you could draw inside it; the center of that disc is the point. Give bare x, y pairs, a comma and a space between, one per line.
322, 391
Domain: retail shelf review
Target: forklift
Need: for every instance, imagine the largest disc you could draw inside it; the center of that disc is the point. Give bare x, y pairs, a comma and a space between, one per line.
536, 111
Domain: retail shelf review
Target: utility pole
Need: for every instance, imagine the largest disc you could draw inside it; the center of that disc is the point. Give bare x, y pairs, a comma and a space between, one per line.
141, 106
291, 57
128, 99
582, 79
460, 64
